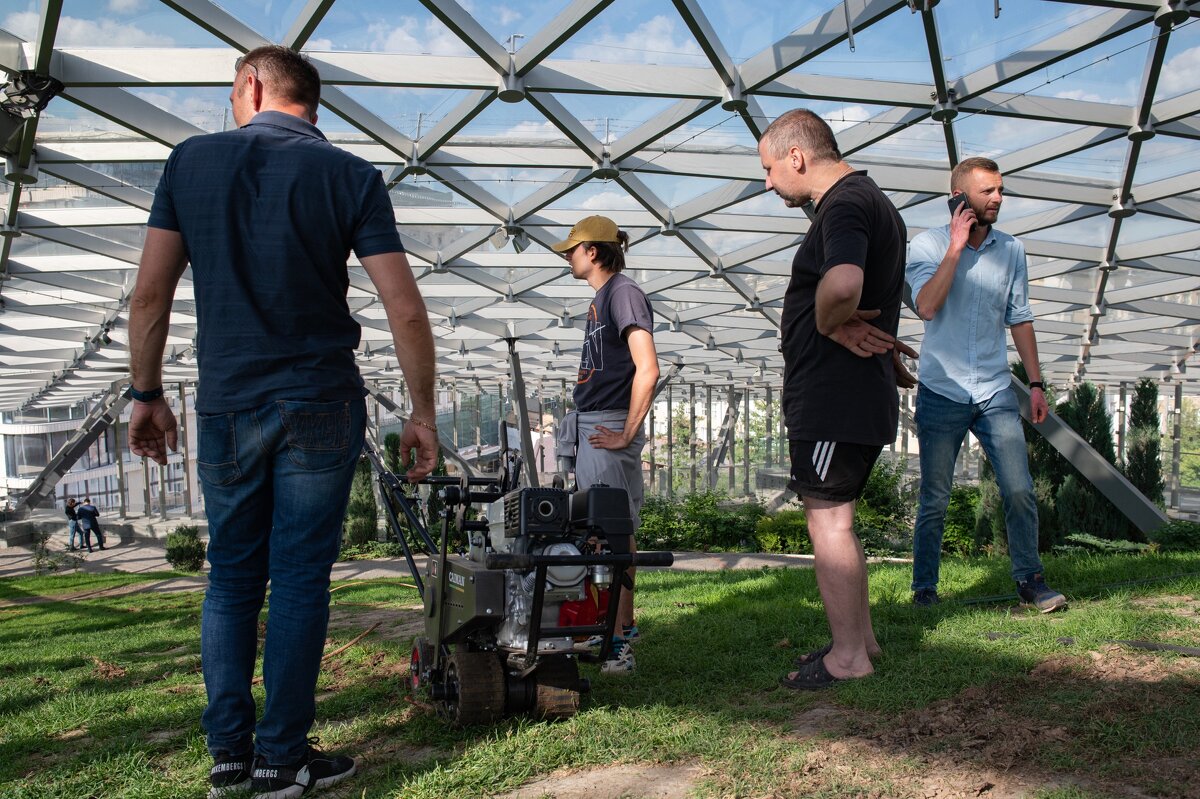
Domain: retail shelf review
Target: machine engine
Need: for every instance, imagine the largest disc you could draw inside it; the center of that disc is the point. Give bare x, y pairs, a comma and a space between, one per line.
537, 521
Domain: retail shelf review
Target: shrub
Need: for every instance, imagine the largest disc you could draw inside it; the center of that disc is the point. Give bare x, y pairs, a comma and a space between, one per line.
391, 452
1177, 535
362, 517
185, 550
959, 536
785, 531
702, 521
883, 516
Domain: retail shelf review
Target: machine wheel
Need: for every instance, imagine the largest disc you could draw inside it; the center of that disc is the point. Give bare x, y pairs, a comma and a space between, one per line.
419, 663
475, 687
557, 689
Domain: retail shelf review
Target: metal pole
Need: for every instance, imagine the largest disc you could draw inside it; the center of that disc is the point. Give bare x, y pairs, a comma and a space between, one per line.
904, 425
670, 442
746, 447
1122, 410
730, 403
770, 403
709, 474
162, 493
692, 434
183, 450
785, 454
519, 400
1176, 441
454, 417
653, 463
120, 470
146, 487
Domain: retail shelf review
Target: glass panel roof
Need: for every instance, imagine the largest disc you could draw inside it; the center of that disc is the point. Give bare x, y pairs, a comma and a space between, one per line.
647, 111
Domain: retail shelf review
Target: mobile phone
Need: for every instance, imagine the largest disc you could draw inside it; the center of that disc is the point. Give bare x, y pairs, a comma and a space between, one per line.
955, 203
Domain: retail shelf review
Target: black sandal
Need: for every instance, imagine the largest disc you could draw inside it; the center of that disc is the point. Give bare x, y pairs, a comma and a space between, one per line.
816, 654
811, 676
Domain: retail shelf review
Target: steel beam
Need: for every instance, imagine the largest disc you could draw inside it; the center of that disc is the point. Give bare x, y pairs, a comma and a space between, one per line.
520, 400
1144, 514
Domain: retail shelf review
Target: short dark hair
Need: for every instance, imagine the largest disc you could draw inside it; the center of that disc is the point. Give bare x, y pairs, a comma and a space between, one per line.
804, 129
610, 254
289, 74
969, 165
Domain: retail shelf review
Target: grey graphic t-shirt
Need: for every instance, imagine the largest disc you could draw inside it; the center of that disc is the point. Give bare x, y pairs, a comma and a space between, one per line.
606, 366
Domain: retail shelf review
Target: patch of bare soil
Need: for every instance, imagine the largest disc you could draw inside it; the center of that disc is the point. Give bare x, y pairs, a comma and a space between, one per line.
395, 624
107, 671
1185, 606
619, 781
981, 744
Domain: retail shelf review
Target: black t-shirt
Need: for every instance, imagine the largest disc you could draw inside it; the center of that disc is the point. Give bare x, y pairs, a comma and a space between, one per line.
829, 393
606, 367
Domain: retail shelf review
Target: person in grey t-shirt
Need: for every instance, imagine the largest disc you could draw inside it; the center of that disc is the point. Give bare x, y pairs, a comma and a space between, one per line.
618, 370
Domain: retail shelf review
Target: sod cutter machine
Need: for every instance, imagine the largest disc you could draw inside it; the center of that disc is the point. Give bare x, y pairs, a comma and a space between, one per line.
517, 583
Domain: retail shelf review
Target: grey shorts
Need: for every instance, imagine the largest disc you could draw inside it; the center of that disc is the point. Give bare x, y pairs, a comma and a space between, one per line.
620, 468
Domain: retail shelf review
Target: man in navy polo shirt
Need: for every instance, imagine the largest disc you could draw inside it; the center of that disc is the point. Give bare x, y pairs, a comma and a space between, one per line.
267, 216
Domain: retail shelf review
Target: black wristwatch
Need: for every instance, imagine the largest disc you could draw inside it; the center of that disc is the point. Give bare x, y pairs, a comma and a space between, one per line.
1036, 384
146, 396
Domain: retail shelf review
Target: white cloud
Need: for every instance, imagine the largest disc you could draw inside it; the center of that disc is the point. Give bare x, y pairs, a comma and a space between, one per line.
1180, 74
610, 201
124, 6
75, 32
410, 36
203, 112
653, 42
319, 44
847, 117
532, 130
1085, 96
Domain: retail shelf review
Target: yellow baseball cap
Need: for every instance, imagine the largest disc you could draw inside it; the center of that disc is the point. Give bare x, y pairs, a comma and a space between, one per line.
592, 228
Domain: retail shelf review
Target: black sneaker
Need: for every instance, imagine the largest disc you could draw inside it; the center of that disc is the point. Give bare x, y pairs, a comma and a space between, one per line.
1035, 593
924, 597
312, 772
230, 775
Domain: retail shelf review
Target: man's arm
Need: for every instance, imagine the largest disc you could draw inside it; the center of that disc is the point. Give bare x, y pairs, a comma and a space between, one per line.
413, 338
645, 377
164, 258
932, 295
838, 295
1026, 343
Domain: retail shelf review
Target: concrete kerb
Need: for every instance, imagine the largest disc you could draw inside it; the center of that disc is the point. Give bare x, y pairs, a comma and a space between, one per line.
144, 554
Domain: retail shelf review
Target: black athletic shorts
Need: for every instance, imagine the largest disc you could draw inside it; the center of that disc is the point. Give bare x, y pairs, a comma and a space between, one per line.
832, 470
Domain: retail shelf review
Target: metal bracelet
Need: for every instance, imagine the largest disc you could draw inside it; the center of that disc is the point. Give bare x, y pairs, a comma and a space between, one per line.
423, 423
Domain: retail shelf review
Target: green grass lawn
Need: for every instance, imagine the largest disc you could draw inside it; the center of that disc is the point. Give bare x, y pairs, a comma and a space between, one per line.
102, 697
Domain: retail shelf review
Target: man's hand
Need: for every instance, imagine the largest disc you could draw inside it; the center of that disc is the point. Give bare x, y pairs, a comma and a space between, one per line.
152, 430
961, 224
1038, 408
425, 442
863, 339
604, 438
904, 378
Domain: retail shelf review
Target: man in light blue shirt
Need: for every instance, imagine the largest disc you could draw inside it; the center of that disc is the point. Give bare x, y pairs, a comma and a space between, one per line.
969, 281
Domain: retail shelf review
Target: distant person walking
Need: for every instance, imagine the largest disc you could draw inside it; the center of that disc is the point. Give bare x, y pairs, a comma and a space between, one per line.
89, 518
73, 526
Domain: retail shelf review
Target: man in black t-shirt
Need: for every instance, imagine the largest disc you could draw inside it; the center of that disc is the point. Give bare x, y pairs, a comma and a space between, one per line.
841, 369
617, 373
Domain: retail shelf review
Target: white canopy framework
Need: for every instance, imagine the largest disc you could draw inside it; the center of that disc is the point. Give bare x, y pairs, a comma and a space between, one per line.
527, 137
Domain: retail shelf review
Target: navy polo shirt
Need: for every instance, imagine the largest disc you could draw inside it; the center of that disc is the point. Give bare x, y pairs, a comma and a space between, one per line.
269, 214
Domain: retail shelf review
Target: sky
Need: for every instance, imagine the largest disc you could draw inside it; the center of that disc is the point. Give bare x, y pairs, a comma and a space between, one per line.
651, 32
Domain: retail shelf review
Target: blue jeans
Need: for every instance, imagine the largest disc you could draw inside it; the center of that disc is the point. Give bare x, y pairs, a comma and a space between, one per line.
941, 426
276, 482
75, 532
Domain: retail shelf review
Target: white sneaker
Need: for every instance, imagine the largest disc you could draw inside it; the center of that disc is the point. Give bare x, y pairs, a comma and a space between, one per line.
620, 659
630, 633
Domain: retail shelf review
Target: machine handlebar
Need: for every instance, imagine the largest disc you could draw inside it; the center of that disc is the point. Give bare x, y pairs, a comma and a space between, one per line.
504, 560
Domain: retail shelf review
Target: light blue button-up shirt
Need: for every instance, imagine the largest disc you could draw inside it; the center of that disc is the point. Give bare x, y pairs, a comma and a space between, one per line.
964, 356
